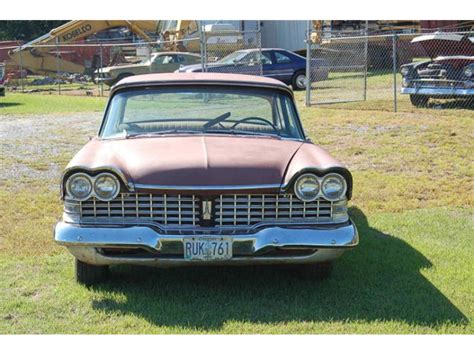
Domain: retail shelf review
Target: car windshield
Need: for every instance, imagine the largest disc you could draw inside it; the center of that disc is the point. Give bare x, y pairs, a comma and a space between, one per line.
233, 58
201, 110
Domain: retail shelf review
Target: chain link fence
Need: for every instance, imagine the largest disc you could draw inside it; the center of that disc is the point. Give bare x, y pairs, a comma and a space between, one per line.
337, 66
92, 68
368, 68
345, 68
237, 52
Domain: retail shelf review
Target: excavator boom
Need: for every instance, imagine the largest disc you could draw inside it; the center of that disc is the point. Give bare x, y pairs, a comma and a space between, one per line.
40, 60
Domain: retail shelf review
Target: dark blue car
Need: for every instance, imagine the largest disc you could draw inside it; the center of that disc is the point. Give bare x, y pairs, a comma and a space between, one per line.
277, 63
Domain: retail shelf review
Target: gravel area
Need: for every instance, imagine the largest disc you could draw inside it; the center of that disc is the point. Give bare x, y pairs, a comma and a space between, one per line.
37, 147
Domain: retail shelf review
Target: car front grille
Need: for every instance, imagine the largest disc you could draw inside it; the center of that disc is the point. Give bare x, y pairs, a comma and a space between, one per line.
224, 211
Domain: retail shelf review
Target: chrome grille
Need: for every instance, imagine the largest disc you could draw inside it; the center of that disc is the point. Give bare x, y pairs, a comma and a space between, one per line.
229, 210
163, 209
239, 210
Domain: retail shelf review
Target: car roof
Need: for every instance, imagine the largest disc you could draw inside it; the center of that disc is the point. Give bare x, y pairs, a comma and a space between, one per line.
200, 78
173, 53
263, 49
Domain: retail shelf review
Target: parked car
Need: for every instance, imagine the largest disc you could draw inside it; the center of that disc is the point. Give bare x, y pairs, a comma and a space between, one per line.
449, 72
203, 169
277, 63
2, 80
163, 62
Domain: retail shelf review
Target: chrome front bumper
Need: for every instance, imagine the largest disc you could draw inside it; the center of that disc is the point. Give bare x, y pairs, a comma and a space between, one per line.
85, 242
437, 91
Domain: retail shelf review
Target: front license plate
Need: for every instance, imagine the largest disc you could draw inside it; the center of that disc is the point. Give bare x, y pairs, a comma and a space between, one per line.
207, 248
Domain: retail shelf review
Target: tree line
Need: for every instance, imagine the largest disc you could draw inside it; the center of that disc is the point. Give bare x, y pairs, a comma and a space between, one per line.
26, 30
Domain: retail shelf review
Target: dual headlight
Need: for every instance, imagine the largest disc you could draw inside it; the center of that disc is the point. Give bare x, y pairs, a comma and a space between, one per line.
104, 186
332, 187
468, 71
405, 71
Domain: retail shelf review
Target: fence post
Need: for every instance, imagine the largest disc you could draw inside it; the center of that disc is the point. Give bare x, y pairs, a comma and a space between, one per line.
366, 57
308, 64
21, 71
57, 66
101, 64
259, 39
394, 68
201, 44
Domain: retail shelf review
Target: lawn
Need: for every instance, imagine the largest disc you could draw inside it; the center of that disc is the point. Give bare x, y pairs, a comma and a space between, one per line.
413, 204
20, 104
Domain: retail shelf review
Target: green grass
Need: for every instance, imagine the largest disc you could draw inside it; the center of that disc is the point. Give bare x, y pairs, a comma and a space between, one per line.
19, 103
411, 273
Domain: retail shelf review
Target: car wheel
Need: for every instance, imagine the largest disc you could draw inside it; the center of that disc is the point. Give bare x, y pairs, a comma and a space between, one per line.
87, 274
299, 81
419, 100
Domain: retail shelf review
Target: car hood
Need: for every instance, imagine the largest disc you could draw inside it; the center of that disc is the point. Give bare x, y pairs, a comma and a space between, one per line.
203, 161
445, 44
120, 67
198, 67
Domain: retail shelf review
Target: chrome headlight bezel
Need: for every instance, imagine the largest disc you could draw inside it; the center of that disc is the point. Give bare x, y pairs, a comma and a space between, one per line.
405, 71
468, 71
300, 180
343, 183
106, 176
84, 176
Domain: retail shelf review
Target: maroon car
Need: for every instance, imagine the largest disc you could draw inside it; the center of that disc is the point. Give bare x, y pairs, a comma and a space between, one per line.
203, 169
448, 74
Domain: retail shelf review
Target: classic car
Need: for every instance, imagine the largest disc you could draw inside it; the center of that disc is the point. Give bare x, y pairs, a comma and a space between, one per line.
449, 72
277, 63
203, 169
160, 62
2, 80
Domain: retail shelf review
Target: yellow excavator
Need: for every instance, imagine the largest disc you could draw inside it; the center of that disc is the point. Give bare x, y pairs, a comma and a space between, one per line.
43, 60
178, 35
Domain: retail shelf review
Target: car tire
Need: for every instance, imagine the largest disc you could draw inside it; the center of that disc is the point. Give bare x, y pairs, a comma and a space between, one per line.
87, 274
419, 100
298, 82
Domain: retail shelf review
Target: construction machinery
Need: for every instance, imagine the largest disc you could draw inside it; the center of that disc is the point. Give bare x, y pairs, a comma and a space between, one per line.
45, 56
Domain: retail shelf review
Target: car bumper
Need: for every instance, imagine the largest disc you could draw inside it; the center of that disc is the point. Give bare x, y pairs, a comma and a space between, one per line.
440, 91
319, 244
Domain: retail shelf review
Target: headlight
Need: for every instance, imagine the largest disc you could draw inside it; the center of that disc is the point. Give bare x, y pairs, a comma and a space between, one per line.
333, 187
405, 71
468, 72
79, 186
106, 186
307, 187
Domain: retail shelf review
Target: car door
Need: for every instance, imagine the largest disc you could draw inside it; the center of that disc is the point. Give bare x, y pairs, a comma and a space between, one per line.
283, 67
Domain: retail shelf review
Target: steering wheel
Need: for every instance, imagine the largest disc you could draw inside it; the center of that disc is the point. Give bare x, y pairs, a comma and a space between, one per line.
259, 119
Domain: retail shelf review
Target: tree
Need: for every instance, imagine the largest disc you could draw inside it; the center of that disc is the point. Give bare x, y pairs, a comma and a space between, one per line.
26, 30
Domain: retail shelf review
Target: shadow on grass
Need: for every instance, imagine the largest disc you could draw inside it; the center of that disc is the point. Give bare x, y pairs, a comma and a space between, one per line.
465, 104
379, 280
9, 104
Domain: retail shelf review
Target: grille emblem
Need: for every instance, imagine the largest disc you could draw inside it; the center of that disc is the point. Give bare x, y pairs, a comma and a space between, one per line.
207, 210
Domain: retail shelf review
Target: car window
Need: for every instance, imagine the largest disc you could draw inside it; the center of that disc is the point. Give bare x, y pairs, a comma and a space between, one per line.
266, 58
253, 58
282, 58
248, 110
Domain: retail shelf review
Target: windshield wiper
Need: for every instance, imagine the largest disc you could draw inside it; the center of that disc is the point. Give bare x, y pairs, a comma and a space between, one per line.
160, 133
216, 120
242, 133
